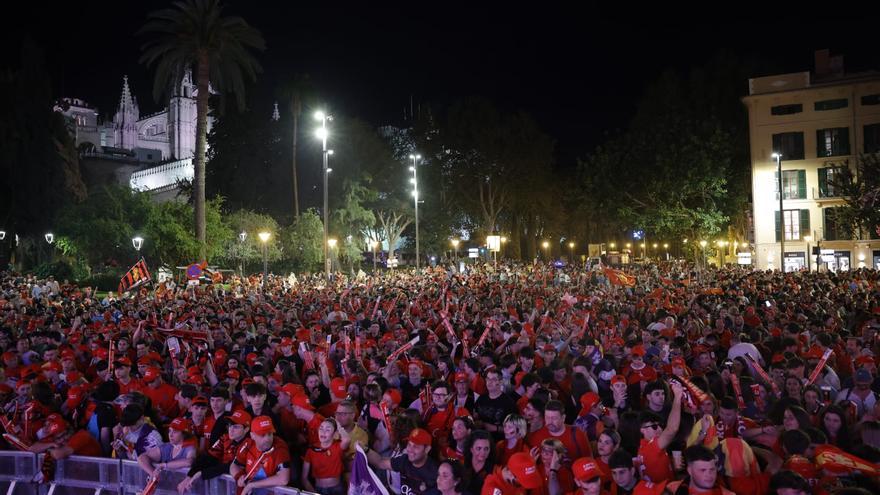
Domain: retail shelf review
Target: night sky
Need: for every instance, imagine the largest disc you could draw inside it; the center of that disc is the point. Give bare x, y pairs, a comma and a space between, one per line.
579, 75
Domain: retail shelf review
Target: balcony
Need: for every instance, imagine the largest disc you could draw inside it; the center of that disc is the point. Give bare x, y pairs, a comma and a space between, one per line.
162, 176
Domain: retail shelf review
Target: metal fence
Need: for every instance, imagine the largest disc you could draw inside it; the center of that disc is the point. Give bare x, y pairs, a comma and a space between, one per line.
79, 475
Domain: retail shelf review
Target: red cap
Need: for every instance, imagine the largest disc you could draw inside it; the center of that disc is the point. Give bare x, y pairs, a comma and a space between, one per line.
247, 381
618, 379
678, 362
72, 376
301, 400
68, 354
588, 401
200, 400
240, 417
337, 387
180, 424
251, 359
394, 395
262, 425
638, 350
286, 341
813, 353
124, 361
145, 360
549, 348
461, 376
52, 366
650, 488
863, 360
55, 425
523, 467
233, 374
420, 436
151, 373
292, 389
586, 469
102, 353
75, 396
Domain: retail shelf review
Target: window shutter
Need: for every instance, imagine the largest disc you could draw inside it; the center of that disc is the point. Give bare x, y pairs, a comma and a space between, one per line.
844, 141
776, 184
821, 150
802, 184
778, 231
805, 223
823, 182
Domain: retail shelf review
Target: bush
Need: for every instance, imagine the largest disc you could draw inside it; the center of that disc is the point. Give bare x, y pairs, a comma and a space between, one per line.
61, 270
106, 281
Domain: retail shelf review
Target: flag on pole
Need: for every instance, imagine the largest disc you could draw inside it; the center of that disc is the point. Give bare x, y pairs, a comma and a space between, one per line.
363, 480
617, 277
135, 277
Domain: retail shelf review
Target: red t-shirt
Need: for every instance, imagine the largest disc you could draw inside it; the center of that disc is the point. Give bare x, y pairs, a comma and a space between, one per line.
496, 482
325, 463
312, 428
574, 439
83, 443
163, 399
248, 454
654, 461
503, 454
563, 476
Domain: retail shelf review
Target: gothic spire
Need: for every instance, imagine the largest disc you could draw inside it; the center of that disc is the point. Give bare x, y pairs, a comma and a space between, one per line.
125, 101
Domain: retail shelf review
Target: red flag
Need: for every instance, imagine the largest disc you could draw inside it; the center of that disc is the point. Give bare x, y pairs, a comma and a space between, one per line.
617, 277
135, 277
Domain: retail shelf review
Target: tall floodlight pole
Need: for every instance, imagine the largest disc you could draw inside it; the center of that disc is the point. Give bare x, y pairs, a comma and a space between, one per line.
415, 183
325, 153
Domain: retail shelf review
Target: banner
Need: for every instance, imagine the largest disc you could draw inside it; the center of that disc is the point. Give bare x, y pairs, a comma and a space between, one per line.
135, 277
617, 277
363, 480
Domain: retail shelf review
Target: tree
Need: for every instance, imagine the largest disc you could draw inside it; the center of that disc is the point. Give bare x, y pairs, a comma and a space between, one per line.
393, 224
251, 249
303, 241
294, 93
194, 33
860, 188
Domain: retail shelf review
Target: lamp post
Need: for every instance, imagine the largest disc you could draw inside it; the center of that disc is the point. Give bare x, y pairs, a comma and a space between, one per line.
325, 153
571, 252
703, 246
503, 242
241, 238
415, 183
455, 243
375, 253
50, 237
331, 243
264, 238
138, 243
546, 246
808, 239
722, 247
778, 157
666, 248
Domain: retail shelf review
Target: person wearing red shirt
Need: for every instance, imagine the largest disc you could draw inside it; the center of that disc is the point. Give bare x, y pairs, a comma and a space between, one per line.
702, 473
515, 430
574, 439
161, 393
221, 453
441, 414
122, 374
587, 476
520, 474
653, 457
263, 461
305, 411
60, 441
324, 462
637, 371
556, 478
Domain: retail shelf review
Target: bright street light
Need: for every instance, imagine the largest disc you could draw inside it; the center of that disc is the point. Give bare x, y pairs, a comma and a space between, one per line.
264, 238
325, 154
415, 182
612, 245
331, 243
137, 242
703, 243
50, 237
2, 235
242, 236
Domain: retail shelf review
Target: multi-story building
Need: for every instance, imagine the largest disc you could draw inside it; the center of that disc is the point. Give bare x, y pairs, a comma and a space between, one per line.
818, 123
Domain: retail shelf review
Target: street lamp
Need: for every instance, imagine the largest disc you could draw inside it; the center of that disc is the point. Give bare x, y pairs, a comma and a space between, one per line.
778, 157
2, 235
375, 245
455, 243
546, 246
264, 238
331, 243
50, 237
808, 239
325, 153
666, 247
612, 245
415, 183
722, 247
241, 238
493, 242
628, 245
137, 242
703, 246
571, 252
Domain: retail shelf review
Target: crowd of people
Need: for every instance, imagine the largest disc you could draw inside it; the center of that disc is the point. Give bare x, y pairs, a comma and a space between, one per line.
525, 378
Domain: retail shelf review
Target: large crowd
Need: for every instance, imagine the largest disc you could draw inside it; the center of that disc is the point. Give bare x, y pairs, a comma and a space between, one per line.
525, 378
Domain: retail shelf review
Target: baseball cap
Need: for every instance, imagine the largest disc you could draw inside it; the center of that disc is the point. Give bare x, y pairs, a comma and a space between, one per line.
618, 379
420, 436
678, 362
262, 425
124, 361
292, 389
394, 395
301, 400
68, 354
650, 488
233, 374
461, 376
180, 424
638, 350
863, 360
523, 467
588, 400
200, 400
286, 341
75, 396
151, 374
863, 376
52, 366
586, 469
240, 417
337, 387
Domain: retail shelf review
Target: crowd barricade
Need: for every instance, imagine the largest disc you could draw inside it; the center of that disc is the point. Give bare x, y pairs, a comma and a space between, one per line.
79, 475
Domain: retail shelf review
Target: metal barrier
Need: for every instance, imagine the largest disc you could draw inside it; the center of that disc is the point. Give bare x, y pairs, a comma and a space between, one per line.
79, 475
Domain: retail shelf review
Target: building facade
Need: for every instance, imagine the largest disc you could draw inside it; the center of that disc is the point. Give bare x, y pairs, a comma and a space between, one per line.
149, 152
818, 123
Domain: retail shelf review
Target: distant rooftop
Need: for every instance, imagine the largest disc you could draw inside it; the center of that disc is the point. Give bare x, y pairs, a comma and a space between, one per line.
828, 71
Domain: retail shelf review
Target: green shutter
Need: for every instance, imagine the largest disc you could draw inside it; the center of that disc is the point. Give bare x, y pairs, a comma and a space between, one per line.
778, 231
776, 184
823, 182
805, 223
802, 184
821, 151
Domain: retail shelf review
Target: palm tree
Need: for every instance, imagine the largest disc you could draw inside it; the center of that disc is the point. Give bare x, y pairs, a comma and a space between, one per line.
194, 33
295, 92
